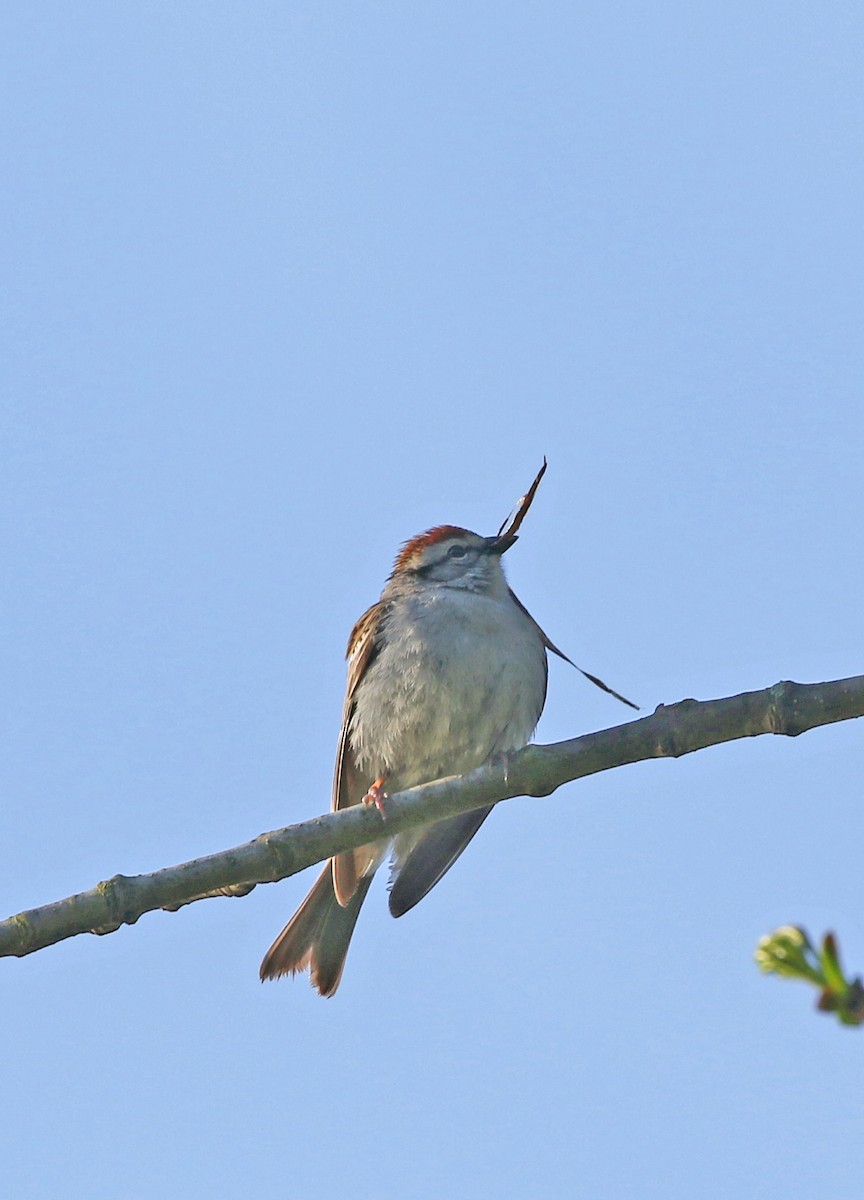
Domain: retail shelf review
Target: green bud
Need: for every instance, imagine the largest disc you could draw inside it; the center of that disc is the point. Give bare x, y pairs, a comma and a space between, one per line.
787, 951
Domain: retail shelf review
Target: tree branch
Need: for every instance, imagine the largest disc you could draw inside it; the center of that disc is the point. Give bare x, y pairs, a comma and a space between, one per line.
786, 708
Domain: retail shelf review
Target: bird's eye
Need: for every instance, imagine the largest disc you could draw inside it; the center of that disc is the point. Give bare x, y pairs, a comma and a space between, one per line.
457, 551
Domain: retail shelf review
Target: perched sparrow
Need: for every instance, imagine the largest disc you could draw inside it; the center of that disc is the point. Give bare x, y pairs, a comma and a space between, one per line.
445, 672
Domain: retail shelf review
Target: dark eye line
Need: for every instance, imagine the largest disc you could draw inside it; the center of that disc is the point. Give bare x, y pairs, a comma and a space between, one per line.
459, 550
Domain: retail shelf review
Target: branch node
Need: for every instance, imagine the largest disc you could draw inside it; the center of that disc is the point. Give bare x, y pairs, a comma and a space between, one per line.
118, 893
671, 740
783, 716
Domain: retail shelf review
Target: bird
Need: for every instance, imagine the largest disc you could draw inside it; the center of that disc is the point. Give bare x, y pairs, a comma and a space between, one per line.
446, 672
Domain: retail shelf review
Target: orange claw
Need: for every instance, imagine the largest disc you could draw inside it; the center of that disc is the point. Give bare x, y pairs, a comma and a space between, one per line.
376, 795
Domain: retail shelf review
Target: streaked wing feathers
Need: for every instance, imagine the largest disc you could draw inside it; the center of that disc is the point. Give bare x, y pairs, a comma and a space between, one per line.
349, 786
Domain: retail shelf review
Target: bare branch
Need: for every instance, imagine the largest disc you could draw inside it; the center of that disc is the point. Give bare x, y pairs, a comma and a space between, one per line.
786, 708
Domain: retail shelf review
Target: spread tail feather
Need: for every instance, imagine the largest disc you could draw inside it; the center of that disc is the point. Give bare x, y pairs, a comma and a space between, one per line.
317, 936
432, 857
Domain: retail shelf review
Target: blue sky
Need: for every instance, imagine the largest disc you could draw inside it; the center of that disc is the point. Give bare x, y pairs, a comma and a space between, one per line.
283, 286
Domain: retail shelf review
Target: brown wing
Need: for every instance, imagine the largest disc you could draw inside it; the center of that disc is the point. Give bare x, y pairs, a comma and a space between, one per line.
349, 786
551, 646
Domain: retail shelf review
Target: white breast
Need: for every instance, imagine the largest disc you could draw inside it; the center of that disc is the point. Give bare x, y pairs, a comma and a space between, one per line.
459, 678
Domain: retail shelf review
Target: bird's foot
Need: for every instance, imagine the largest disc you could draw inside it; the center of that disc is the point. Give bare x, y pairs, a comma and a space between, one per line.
377, 796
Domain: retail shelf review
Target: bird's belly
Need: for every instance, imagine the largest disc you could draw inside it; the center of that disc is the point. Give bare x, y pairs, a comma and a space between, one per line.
440, 701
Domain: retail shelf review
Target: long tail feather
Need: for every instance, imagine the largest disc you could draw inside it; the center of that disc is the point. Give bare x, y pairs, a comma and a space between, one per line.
317, 936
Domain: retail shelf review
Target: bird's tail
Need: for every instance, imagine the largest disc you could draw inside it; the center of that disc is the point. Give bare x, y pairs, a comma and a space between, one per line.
317, 936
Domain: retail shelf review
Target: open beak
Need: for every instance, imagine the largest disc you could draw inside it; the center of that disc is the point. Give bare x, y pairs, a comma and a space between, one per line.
500, 545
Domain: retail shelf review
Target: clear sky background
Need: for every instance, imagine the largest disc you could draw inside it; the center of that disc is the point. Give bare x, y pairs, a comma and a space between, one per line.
283, 285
